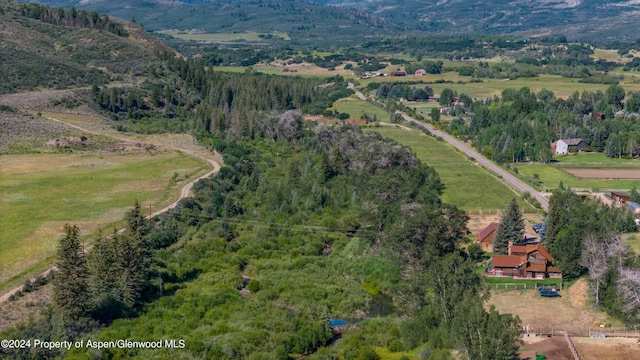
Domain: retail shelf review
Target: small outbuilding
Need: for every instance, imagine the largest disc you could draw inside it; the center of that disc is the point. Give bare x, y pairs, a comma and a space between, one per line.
485, 237
619, 198
421, 72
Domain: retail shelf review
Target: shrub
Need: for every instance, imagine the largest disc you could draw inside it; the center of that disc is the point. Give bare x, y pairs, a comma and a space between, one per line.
253, 286
27, 286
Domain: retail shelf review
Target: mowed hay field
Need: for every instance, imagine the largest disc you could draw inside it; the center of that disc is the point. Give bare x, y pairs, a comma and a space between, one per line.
562, 87
39, 193
466, 185
356, 108
585, 171
221, 37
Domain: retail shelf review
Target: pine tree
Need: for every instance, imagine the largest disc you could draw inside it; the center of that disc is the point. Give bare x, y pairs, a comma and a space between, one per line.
101, 263
70, 283
133, 253
511, 228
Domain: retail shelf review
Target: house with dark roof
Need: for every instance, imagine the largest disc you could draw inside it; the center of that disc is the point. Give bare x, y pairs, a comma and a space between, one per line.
564, 146
526, 261
485, 237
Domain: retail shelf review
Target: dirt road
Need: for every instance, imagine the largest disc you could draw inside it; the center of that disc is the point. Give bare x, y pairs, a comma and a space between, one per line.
511, 180
183, 193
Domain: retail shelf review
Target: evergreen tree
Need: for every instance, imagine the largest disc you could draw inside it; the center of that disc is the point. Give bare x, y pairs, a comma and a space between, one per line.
133, 253
102, 264
511, 228
70, 283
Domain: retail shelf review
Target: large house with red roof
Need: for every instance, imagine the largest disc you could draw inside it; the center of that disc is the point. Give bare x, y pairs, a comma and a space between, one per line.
526, 261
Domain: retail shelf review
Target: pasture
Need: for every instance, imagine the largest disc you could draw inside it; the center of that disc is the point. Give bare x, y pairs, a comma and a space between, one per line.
302, 70
584, 171
39, 193
357, 108
562, 87
466, 185
221, 37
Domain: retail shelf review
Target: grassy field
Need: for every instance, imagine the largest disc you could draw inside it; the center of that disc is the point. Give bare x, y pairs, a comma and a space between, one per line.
605, 54
594, 160
551, 174
303, 71
633, 239
356, 108
221, 37
40, 193
562, 87
466, 185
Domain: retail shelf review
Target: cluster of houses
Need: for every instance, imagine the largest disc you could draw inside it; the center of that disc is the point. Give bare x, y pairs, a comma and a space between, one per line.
529, 261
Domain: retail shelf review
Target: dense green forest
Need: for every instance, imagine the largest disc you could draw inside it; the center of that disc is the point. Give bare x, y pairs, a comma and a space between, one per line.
302, 225
520, 125
584, 237
185, 96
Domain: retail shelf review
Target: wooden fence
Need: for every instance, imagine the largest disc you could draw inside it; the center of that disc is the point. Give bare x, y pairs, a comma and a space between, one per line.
571, 347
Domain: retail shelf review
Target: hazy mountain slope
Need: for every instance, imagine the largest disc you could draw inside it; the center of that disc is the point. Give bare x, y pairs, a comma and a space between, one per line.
576, 19
606, 19
39, 53
302, 20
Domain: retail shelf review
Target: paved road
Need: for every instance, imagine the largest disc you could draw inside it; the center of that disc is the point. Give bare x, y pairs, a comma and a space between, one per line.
183, 193
511, 180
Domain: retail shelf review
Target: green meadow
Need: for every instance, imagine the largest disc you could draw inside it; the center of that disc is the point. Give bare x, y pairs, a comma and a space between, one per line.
221, 37
561, 86
356, 108
39, 193
594, 160
550, 175
466, 185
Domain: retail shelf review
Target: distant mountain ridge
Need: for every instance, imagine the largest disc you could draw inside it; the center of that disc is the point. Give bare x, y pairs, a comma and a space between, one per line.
303, 20
606, 20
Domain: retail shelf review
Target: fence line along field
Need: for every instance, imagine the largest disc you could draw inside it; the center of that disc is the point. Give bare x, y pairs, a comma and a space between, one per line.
466, 185
583, 171
39, 193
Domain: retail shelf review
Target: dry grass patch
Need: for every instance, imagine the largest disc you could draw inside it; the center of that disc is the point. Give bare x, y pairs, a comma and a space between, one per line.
557, 313
606, 349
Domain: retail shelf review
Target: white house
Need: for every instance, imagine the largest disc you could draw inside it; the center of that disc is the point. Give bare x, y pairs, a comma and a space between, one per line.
563, 146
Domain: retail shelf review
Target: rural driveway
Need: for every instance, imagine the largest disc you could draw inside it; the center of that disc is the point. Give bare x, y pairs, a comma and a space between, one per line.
183, 193
511, 180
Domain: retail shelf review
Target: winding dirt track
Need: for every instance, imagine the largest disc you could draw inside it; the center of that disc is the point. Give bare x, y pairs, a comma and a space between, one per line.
183, 193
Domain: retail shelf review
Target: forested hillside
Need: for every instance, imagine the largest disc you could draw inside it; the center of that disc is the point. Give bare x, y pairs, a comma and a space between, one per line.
611, 20
582, 19
304, 21
56, 48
